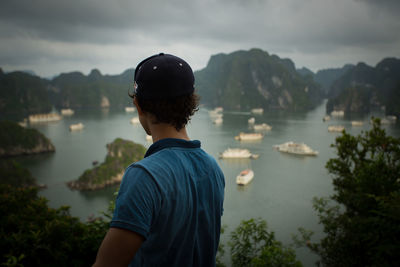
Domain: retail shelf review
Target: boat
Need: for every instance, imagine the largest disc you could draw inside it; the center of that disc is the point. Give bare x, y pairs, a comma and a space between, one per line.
296, 148
216, 112
262, 127
67, 112
337, 113
335, 128
257, 111
219, 109
249, 136
45, 117
326, 118
245, 177
149, 138
76, 127
357, 123
252, 120
218, 121
237, 153
135, 120
391, 118
130, 109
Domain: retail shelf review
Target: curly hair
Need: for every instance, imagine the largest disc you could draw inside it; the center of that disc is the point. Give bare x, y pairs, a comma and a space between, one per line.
176, 112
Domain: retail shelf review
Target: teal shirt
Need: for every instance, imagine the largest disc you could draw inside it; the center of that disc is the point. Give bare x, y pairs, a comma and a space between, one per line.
174, 199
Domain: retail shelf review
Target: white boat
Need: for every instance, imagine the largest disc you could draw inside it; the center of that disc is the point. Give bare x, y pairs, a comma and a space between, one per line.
249, 136
219, 109
252, 120
391, 118
76, 127
130, 109
296, 148
257, 111
217, 112
357, 123
48, 117
262, 127
67, 112
218, 121
326, 118
245, 177
237, 153
135, 120
335, 128
149, 138
337, 113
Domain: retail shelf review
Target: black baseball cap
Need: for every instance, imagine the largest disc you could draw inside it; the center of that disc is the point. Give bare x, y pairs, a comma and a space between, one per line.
163, 76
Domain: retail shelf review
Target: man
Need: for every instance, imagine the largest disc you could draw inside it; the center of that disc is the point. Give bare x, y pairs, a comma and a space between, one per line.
169, 206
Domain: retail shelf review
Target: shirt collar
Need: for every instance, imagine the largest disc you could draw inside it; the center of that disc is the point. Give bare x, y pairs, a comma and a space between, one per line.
171, 142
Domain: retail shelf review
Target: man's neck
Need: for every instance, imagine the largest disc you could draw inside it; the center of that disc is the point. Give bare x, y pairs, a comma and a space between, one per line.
162, 130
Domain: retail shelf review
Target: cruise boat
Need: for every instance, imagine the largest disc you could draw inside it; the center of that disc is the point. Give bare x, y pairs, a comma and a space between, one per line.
296, 148
245, 177
326, 118
47, 117
257, 111
237, 153
218, 120
130, 109
252, 120
219, 109
335, 128
135, 120
337, 113
67, 112
262, 127
357, 123
76, 127
249, 136
149, 138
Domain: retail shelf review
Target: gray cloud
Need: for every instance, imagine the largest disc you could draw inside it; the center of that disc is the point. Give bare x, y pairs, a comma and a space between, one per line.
113, 35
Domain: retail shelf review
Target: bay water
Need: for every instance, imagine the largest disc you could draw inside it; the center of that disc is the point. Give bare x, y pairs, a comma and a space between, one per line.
281, 191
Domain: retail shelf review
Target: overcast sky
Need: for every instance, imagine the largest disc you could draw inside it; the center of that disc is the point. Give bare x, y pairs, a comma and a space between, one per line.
52, 36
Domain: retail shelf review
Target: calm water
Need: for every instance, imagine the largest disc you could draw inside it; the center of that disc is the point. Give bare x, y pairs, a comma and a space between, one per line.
281, 191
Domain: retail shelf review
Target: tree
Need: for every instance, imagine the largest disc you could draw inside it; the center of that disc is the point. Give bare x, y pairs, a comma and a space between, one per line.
253, 245
362, 219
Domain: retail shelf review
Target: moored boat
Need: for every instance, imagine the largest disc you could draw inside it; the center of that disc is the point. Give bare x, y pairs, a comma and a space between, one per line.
130, 109
252, 120
76, 127
237, 153
262, 127
337, 113
245, 177
249, 136
296, 148
335, 128
67, 112
326, 118
357, 123
135, 120
218, 120
257, 111
46, 117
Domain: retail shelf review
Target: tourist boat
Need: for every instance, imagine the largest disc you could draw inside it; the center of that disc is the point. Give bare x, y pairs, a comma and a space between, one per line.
216, 112
135, 120
335, 128
67, 112
262, 127
337, 113
249, 136
47, 117
149, 138
245, 177
218, 121
252, 120
76, 127
357, 123
130, 109
257, 111
219, 109
296, 148
237, 153
391, 118
326, 118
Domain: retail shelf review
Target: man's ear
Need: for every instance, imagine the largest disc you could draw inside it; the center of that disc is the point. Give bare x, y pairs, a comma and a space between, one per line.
139, 109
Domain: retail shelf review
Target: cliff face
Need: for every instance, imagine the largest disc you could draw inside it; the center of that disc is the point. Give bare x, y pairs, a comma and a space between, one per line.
16, 140
120, 154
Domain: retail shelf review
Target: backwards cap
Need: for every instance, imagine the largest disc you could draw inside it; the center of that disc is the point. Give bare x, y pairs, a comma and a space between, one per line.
163, 76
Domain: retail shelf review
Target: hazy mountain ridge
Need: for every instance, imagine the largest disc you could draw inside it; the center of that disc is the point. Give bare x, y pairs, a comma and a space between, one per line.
249, 79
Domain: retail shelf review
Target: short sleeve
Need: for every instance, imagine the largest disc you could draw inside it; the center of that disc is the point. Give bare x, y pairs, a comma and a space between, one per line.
137, 201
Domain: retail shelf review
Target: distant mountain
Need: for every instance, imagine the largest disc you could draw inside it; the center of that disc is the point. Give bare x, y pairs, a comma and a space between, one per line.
305, 72
249, 79
363, 87
327, 77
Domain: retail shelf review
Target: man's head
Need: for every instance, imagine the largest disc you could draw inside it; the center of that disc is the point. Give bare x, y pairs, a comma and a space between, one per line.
164, 87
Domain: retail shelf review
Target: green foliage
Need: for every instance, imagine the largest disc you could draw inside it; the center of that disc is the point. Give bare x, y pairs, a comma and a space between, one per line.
252, 244
33, 234
12, 173
362, 219
13, 136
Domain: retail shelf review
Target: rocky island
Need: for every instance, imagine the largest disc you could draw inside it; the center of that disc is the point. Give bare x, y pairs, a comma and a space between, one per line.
16, 140
120, 154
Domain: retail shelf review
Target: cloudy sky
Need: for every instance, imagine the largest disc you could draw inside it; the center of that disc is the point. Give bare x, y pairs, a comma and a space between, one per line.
53, 36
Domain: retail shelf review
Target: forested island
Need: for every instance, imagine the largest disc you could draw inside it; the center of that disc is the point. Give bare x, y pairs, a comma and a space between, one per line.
120, 154
16, 140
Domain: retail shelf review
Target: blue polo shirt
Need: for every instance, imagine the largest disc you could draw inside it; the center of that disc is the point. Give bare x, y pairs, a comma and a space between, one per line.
174, 199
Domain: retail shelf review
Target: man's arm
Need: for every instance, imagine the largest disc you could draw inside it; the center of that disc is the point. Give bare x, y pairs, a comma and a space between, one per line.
118, 248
